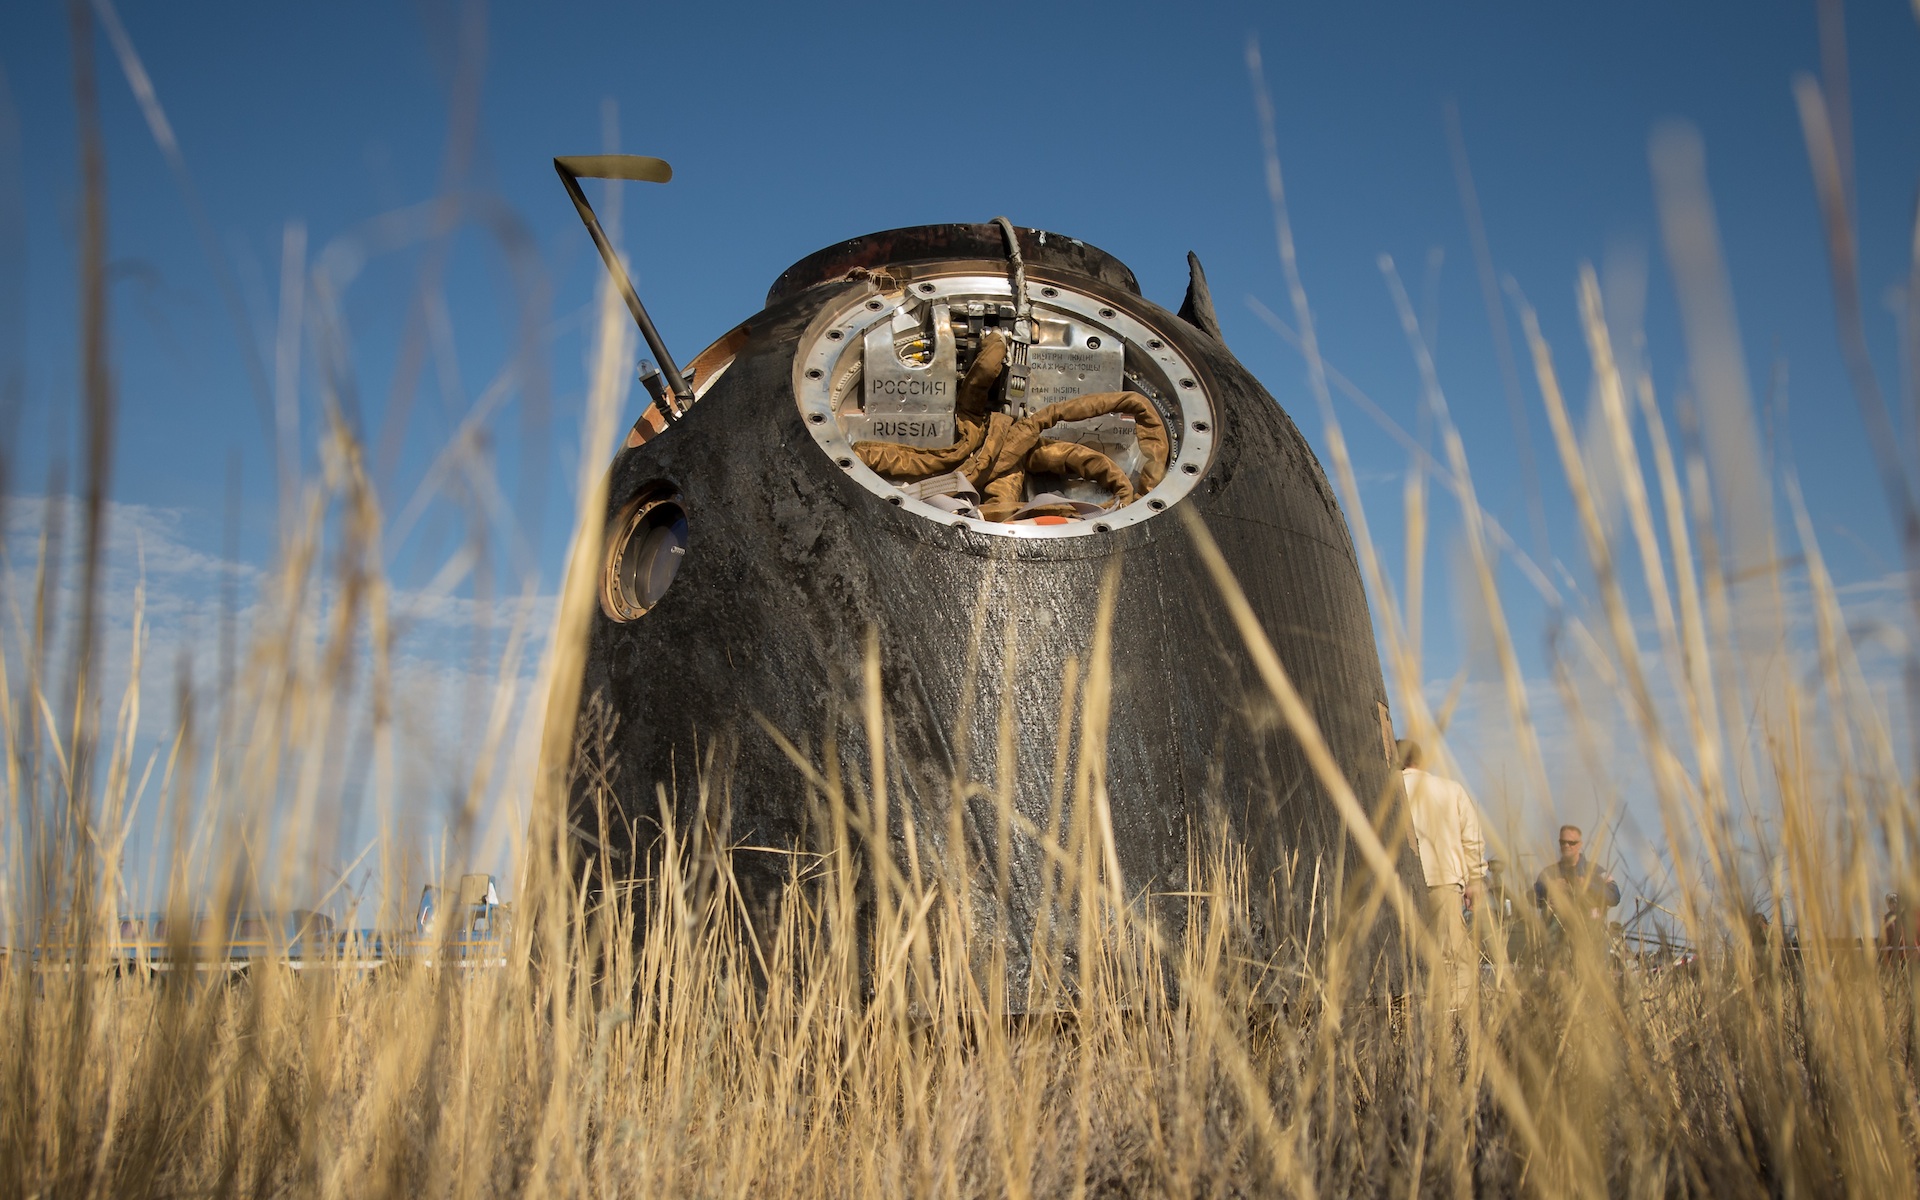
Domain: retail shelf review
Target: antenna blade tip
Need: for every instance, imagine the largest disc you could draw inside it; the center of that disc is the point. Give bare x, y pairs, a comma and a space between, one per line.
636, 167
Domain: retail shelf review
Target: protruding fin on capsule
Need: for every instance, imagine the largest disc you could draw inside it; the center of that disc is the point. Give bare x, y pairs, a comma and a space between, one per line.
1197, 309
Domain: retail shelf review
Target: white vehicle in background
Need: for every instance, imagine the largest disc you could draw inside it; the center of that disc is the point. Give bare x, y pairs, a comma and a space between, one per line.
471, 932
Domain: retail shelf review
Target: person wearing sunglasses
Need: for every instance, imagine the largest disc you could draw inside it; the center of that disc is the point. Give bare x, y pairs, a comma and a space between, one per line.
1575, 893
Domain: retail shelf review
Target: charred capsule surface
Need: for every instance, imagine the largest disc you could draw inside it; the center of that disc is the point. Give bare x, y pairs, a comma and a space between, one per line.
864, 455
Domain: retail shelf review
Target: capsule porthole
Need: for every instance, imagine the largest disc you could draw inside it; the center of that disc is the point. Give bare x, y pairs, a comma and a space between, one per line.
646, 552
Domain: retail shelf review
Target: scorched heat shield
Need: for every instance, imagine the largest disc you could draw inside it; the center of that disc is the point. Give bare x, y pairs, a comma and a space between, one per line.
929, 437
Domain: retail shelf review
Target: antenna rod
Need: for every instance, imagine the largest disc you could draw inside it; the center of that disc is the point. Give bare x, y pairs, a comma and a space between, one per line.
643, 170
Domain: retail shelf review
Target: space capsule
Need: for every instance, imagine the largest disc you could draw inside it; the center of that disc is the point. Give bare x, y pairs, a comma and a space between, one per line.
948, 436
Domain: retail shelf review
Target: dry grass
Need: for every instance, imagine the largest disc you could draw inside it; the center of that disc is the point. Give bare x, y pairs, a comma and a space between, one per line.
854, 1040
653, 1046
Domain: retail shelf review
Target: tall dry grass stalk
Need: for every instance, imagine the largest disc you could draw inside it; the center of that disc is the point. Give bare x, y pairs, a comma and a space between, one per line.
856, 1038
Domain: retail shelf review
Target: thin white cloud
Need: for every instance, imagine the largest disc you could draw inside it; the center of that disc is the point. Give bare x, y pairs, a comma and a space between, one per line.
444, 686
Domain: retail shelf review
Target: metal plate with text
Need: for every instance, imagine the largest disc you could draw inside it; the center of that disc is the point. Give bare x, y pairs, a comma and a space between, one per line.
1072, 358
909, 403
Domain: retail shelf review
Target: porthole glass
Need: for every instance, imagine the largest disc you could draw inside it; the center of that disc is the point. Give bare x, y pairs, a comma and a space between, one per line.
645, 553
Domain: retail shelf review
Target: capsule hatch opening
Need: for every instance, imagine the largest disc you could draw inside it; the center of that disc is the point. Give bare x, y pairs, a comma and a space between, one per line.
913, 383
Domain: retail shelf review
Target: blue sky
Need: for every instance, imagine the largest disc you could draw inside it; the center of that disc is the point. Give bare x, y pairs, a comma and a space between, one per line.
793, 126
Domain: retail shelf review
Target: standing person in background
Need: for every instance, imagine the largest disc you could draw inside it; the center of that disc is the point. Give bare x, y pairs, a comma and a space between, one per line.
1575, 894
1897, 940
1446, 829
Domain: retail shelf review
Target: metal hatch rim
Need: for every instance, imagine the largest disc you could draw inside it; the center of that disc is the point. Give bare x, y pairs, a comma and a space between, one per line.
853, 312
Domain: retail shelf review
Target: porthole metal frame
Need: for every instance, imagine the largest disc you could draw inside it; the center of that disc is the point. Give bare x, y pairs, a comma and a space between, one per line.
630, 523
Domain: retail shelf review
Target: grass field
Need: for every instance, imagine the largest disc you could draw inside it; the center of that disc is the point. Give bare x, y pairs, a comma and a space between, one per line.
650, 1046
653, 1042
